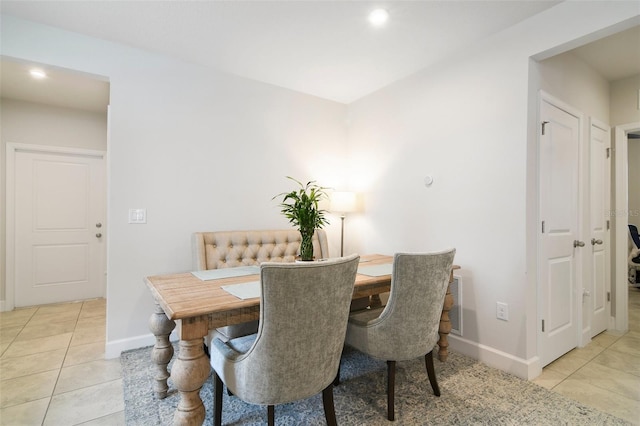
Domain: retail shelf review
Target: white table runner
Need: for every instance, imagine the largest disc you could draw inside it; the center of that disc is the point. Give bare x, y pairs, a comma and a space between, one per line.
376, 270
214, 274
244, 291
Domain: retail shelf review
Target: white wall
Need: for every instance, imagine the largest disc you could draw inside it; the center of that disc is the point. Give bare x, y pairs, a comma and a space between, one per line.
469, 121
624, 100
200, 150
571, 80
625, 109
32, 123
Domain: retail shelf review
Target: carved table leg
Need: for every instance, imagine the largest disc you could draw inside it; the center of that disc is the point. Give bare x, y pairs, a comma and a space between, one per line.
445, 323
161, 327
374, 301
189, 372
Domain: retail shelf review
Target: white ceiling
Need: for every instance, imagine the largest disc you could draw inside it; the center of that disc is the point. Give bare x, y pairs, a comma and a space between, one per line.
62, 87
323, 48
614, 57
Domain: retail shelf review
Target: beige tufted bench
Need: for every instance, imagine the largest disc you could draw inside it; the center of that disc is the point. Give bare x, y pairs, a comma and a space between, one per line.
228, 249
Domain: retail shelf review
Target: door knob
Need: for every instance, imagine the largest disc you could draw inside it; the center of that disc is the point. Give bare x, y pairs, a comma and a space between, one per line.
98, 225
578, 243
98, 235
594, 241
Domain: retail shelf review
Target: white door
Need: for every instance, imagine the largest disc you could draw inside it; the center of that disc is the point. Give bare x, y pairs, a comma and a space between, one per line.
600, 172
558, 260
59, 227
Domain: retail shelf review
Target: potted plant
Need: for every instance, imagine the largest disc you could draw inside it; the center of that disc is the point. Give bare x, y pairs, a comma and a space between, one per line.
300, 206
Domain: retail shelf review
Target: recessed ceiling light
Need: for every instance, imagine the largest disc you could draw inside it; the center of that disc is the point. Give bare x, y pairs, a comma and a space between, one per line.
378, 17
36, 73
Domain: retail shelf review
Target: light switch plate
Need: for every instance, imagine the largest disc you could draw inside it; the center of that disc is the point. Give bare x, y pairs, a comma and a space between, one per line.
137, 215
502, 311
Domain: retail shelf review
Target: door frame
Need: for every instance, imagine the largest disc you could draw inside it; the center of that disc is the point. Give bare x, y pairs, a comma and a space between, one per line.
621, 296
11, 150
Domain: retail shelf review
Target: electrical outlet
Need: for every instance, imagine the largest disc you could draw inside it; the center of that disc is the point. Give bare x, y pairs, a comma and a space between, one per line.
502, 311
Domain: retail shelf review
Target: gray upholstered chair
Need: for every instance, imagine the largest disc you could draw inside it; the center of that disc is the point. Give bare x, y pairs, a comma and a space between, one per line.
304, 308
407, 327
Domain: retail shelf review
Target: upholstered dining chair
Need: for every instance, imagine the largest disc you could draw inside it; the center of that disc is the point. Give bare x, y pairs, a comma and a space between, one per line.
407, 327
304, 308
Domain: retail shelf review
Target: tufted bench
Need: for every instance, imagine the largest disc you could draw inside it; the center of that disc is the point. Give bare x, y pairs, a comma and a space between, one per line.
228, 249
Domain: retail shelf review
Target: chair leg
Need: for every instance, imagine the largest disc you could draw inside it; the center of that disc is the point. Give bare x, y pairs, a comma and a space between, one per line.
336, 381
217, 400
270, 415
391, 386
431, 372
329, 408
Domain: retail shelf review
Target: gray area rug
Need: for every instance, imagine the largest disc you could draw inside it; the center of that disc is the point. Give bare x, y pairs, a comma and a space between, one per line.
471, 394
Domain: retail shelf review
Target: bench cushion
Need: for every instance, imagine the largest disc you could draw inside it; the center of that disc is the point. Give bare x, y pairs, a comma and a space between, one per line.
228, 249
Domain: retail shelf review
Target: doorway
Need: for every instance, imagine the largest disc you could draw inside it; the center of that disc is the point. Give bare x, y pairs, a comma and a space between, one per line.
65, 113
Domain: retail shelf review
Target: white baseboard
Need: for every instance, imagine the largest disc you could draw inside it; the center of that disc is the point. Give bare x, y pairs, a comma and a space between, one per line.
115, 348
6, 306
525, 369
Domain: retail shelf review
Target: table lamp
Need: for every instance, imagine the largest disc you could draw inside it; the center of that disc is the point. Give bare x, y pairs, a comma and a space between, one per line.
343, 202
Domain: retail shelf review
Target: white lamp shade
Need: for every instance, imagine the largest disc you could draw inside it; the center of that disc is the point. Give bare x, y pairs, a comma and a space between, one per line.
343, 201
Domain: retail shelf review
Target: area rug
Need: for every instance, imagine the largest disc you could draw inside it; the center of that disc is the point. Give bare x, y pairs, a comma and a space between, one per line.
471, 394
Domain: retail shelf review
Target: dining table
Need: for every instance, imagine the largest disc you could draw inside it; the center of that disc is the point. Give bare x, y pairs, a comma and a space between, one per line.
199, 301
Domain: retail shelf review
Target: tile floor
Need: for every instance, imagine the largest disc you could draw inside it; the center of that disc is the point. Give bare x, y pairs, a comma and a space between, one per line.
52, 367
53, 371
605, 374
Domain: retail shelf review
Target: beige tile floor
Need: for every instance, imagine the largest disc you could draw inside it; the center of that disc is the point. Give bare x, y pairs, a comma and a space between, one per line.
53, 371
52, 367
605, 374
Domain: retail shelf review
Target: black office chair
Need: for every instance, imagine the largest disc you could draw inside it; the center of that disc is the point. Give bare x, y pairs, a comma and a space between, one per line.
634, 257
633, 231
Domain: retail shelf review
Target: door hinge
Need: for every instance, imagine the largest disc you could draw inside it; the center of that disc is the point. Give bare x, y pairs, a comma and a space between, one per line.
543, 226
608, 152
544, 123
608, 225
543, 326
608, 296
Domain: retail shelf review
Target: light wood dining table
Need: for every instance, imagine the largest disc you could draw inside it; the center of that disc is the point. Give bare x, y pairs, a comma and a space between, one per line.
202, 305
